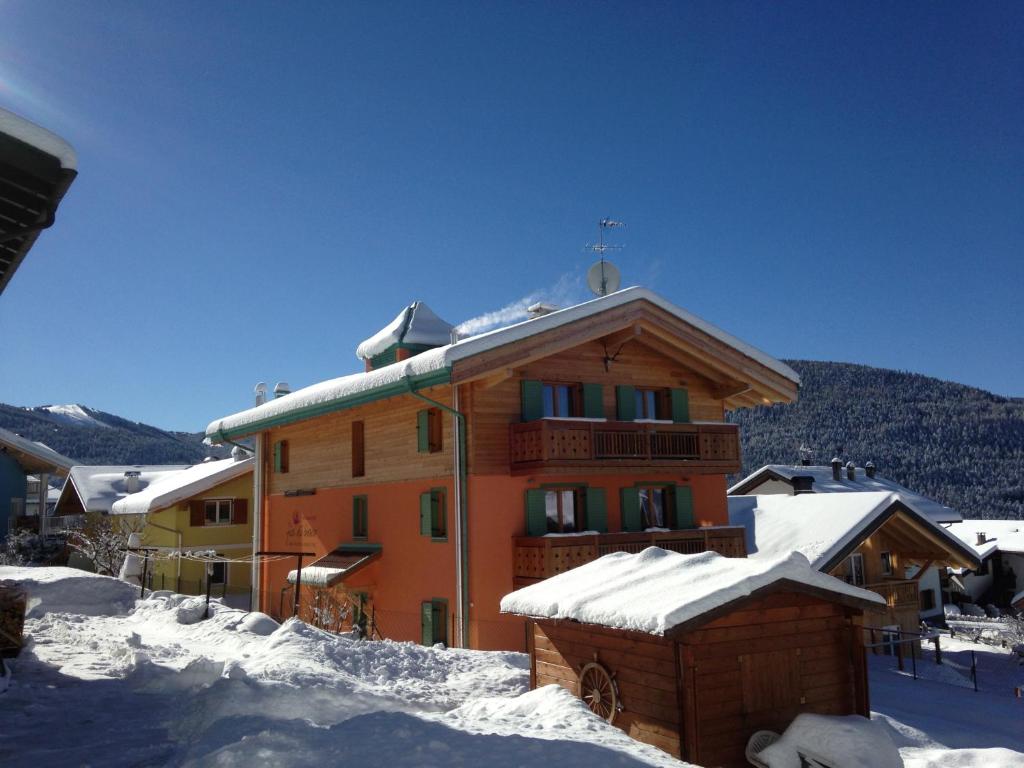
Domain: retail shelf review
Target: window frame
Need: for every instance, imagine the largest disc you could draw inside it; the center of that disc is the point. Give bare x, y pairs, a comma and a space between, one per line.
852, 570
213, 569
358, 448
887, 562
579, 493
574, 399
219, 503
662, 404
438, 514
668, 510
280, 451
360, 517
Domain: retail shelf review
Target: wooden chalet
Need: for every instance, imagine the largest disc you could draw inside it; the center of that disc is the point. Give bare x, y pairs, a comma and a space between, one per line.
474, 466
21, 459
876, 540
36, 169
695, 653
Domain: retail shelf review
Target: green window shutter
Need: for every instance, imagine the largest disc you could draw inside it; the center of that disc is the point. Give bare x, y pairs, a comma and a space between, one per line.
625, 402
684, 506
423, 431
427, 622
631, 510
597, 510
680, 405
536, 513
425, 510
593, 401
533, 400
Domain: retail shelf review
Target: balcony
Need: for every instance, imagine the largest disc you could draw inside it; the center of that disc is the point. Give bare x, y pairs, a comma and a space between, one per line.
540, 557
704, 448
897, 594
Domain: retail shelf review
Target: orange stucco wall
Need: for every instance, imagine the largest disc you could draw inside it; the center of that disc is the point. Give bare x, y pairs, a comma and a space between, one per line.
497, 513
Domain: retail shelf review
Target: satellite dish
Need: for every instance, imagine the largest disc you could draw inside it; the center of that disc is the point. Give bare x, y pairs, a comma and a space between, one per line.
603, 278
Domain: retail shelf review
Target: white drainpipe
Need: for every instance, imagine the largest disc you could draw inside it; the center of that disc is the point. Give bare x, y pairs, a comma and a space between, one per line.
257, 521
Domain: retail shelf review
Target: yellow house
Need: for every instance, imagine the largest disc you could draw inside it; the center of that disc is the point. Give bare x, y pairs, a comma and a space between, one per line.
188, 514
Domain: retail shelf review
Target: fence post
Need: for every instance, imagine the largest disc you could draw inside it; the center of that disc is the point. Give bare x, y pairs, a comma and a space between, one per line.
938, 651
899, 652
913, 656
974, 671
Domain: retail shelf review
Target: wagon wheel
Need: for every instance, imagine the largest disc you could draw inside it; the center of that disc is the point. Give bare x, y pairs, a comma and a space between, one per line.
598, 691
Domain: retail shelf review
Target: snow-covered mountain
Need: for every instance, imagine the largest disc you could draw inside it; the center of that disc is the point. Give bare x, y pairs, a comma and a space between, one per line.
91, 436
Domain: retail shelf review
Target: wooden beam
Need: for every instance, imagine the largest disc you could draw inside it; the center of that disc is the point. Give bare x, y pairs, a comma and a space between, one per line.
927, 564
728, 389
619, 338
498, 378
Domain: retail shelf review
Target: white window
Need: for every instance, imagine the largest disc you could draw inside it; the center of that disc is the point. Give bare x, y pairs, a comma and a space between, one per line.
855, 569
218, 511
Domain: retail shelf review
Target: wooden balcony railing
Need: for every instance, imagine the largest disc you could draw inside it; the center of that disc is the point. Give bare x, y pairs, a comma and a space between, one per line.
897, 594
540, 557
712, 448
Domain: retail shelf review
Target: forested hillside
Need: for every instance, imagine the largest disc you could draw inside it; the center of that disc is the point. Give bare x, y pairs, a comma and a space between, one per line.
96, 437
960, 445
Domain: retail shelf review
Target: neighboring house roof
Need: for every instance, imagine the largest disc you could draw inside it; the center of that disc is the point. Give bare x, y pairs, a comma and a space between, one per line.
179, 486
1000, 536
826, 528
416, 325
37, 167
656, 590
824, 482
98, 488
33, 456
434, 366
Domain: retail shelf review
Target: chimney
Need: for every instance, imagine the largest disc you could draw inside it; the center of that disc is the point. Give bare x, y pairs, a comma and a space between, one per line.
281, 389
851, 471
802, 484
540, 309
131, 481
981, 538
837, 468
261, 393
238, 453
869, 469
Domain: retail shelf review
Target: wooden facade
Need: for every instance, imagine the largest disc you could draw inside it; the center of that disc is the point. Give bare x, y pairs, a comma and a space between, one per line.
704, 688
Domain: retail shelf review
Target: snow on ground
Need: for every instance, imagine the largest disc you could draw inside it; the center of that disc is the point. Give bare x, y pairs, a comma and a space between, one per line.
149, 682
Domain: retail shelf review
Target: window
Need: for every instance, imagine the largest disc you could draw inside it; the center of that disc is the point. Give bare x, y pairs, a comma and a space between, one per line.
218, 572
429, 430
358, 450
433, 516
655, 504
927, 599
564, 508
281, 456
855, 570
434, 621
561, 400
360, 518
652, 404
887, 563
217, 511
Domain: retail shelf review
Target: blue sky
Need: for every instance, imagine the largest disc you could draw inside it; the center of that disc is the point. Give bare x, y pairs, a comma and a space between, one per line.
264, 185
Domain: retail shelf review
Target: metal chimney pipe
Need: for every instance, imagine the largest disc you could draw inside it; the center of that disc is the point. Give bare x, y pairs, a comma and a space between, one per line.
837, 469
851, 471
869, 469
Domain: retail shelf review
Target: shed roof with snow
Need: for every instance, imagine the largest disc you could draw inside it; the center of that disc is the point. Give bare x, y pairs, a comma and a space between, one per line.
826, 528
176, 487
825, 482
657, 591
434, 366
95, 489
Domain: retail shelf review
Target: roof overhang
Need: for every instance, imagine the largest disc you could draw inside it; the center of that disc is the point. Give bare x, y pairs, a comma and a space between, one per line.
32, 458
33, 181
339, 564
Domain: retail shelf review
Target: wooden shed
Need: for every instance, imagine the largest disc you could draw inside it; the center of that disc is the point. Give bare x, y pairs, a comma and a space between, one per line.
694, 653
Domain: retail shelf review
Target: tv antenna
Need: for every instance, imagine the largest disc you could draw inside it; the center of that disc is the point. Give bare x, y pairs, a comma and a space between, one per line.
603, 277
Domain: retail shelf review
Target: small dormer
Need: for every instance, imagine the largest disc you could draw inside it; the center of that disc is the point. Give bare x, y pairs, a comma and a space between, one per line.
415, 329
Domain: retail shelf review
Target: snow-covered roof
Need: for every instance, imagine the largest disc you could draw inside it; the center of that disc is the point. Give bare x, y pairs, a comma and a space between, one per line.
417, 324
41, 452
656, 590
178, 486
99, 487
433, 365
38, 137
1000, 535
822, 527
824, 482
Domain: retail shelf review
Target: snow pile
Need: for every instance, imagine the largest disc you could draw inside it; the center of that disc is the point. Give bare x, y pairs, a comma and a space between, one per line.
416, 324
656, 590
995, 757
69, 590
850, 742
